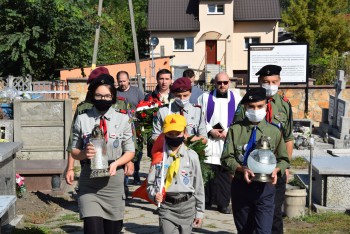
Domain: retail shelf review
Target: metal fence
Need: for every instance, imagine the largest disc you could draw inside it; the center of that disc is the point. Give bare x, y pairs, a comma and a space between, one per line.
37, 89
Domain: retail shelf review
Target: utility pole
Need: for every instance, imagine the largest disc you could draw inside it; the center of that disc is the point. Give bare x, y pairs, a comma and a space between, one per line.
97, 35
136, 48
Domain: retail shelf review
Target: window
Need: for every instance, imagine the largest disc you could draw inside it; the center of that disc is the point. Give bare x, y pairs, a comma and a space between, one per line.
215, 9
184, 44
251, 40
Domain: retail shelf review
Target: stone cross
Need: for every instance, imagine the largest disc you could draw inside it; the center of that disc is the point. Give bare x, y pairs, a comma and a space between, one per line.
340, 85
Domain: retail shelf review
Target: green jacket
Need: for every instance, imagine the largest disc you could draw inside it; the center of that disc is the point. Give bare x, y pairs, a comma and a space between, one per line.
238, 136
282, 115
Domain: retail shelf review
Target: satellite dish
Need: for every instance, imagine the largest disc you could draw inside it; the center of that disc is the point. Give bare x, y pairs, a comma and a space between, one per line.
154, 41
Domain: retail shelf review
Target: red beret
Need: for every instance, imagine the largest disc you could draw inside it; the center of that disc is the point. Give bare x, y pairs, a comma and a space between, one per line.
96, 73
182, 84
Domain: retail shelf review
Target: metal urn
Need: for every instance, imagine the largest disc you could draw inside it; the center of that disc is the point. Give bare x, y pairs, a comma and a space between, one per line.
262, 161
99, 164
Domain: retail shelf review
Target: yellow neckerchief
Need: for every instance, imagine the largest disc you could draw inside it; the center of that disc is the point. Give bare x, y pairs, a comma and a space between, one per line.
173, 169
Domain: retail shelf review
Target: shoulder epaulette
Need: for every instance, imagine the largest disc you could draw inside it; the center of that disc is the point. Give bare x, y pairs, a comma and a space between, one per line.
236, 122
83, 111
83, 107
164, 105
81, 103
121, 111
285, 99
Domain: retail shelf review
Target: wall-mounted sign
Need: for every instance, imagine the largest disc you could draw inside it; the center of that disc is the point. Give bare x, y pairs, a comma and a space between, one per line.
293, 58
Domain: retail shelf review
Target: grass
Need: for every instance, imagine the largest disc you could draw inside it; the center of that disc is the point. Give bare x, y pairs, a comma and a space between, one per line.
210, 225
72, 218
32, 230
299, 163
320, 223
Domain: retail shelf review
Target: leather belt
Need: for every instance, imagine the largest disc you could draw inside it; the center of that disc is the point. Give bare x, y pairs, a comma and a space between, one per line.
178, 200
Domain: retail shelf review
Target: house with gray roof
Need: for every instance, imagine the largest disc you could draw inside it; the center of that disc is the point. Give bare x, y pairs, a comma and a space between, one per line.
213, 35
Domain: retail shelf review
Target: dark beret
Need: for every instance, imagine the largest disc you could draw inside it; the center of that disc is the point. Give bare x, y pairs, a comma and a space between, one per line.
182, 84
254, 95
101, 80
96, 73
269, 70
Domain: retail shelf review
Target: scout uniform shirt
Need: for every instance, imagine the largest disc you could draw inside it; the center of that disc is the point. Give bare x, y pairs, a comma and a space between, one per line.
83, 107
187, 180
193, 115
118, 130
237, 138
282, 115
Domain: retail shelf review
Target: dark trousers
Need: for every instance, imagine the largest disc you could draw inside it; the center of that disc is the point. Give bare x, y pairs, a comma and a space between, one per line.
138, 161
277, 225
252, 206
217, 190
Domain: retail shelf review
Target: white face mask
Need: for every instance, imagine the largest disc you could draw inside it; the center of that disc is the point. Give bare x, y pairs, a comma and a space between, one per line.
270, 89
255, 115
184, 102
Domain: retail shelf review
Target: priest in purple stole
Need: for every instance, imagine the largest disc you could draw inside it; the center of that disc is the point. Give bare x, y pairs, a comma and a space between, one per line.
218, 107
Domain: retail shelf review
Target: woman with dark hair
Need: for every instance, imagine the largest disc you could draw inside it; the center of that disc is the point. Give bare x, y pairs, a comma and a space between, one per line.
102, 199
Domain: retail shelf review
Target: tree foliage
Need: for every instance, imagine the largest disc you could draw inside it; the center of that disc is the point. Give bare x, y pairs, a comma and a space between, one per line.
325, 26
40, 37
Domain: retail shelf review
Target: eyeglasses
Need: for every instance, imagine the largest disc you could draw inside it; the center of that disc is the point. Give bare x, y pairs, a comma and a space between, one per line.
105, 97
222, 82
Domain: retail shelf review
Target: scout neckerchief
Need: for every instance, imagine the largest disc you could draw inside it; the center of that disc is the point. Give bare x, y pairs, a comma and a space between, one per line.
269, 110
230, 107
269, 113
103, 127
172, 170
251, 145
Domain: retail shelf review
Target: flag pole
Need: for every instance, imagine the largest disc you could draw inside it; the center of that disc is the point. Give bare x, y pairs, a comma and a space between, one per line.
162, 171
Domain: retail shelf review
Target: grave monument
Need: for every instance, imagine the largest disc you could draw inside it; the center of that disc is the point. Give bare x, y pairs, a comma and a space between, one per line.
338, 114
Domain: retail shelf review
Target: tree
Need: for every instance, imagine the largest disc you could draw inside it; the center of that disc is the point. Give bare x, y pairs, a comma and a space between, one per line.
40, 37
323, 24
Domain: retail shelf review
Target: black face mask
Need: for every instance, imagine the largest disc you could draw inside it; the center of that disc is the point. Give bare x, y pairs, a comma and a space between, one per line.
174, 142
102, 105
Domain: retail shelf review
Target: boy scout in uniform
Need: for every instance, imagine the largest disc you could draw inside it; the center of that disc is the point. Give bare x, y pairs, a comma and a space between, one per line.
279, 113
181, 89
183, 204
252, 201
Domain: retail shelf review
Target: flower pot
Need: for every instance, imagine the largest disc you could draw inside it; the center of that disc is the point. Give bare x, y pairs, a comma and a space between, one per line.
295, 201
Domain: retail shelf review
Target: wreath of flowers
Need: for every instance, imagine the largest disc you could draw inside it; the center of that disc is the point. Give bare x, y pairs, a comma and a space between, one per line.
143, 119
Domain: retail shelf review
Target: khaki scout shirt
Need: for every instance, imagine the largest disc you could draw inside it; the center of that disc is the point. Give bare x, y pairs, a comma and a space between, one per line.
282, 115
187, 180
238, 136
82, 108
193, 115
118, 129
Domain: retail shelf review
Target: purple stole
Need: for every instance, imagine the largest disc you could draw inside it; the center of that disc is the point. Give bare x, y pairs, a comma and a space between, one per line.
211, 106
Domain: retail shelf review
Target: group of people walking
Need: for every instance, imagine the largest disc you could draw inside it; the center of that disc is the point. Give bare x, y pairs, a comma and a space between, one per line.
228, 124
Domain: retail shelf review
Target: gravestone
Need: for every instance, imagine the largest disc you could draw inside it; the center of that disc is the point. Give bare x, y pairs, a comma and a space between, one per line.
338, 118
